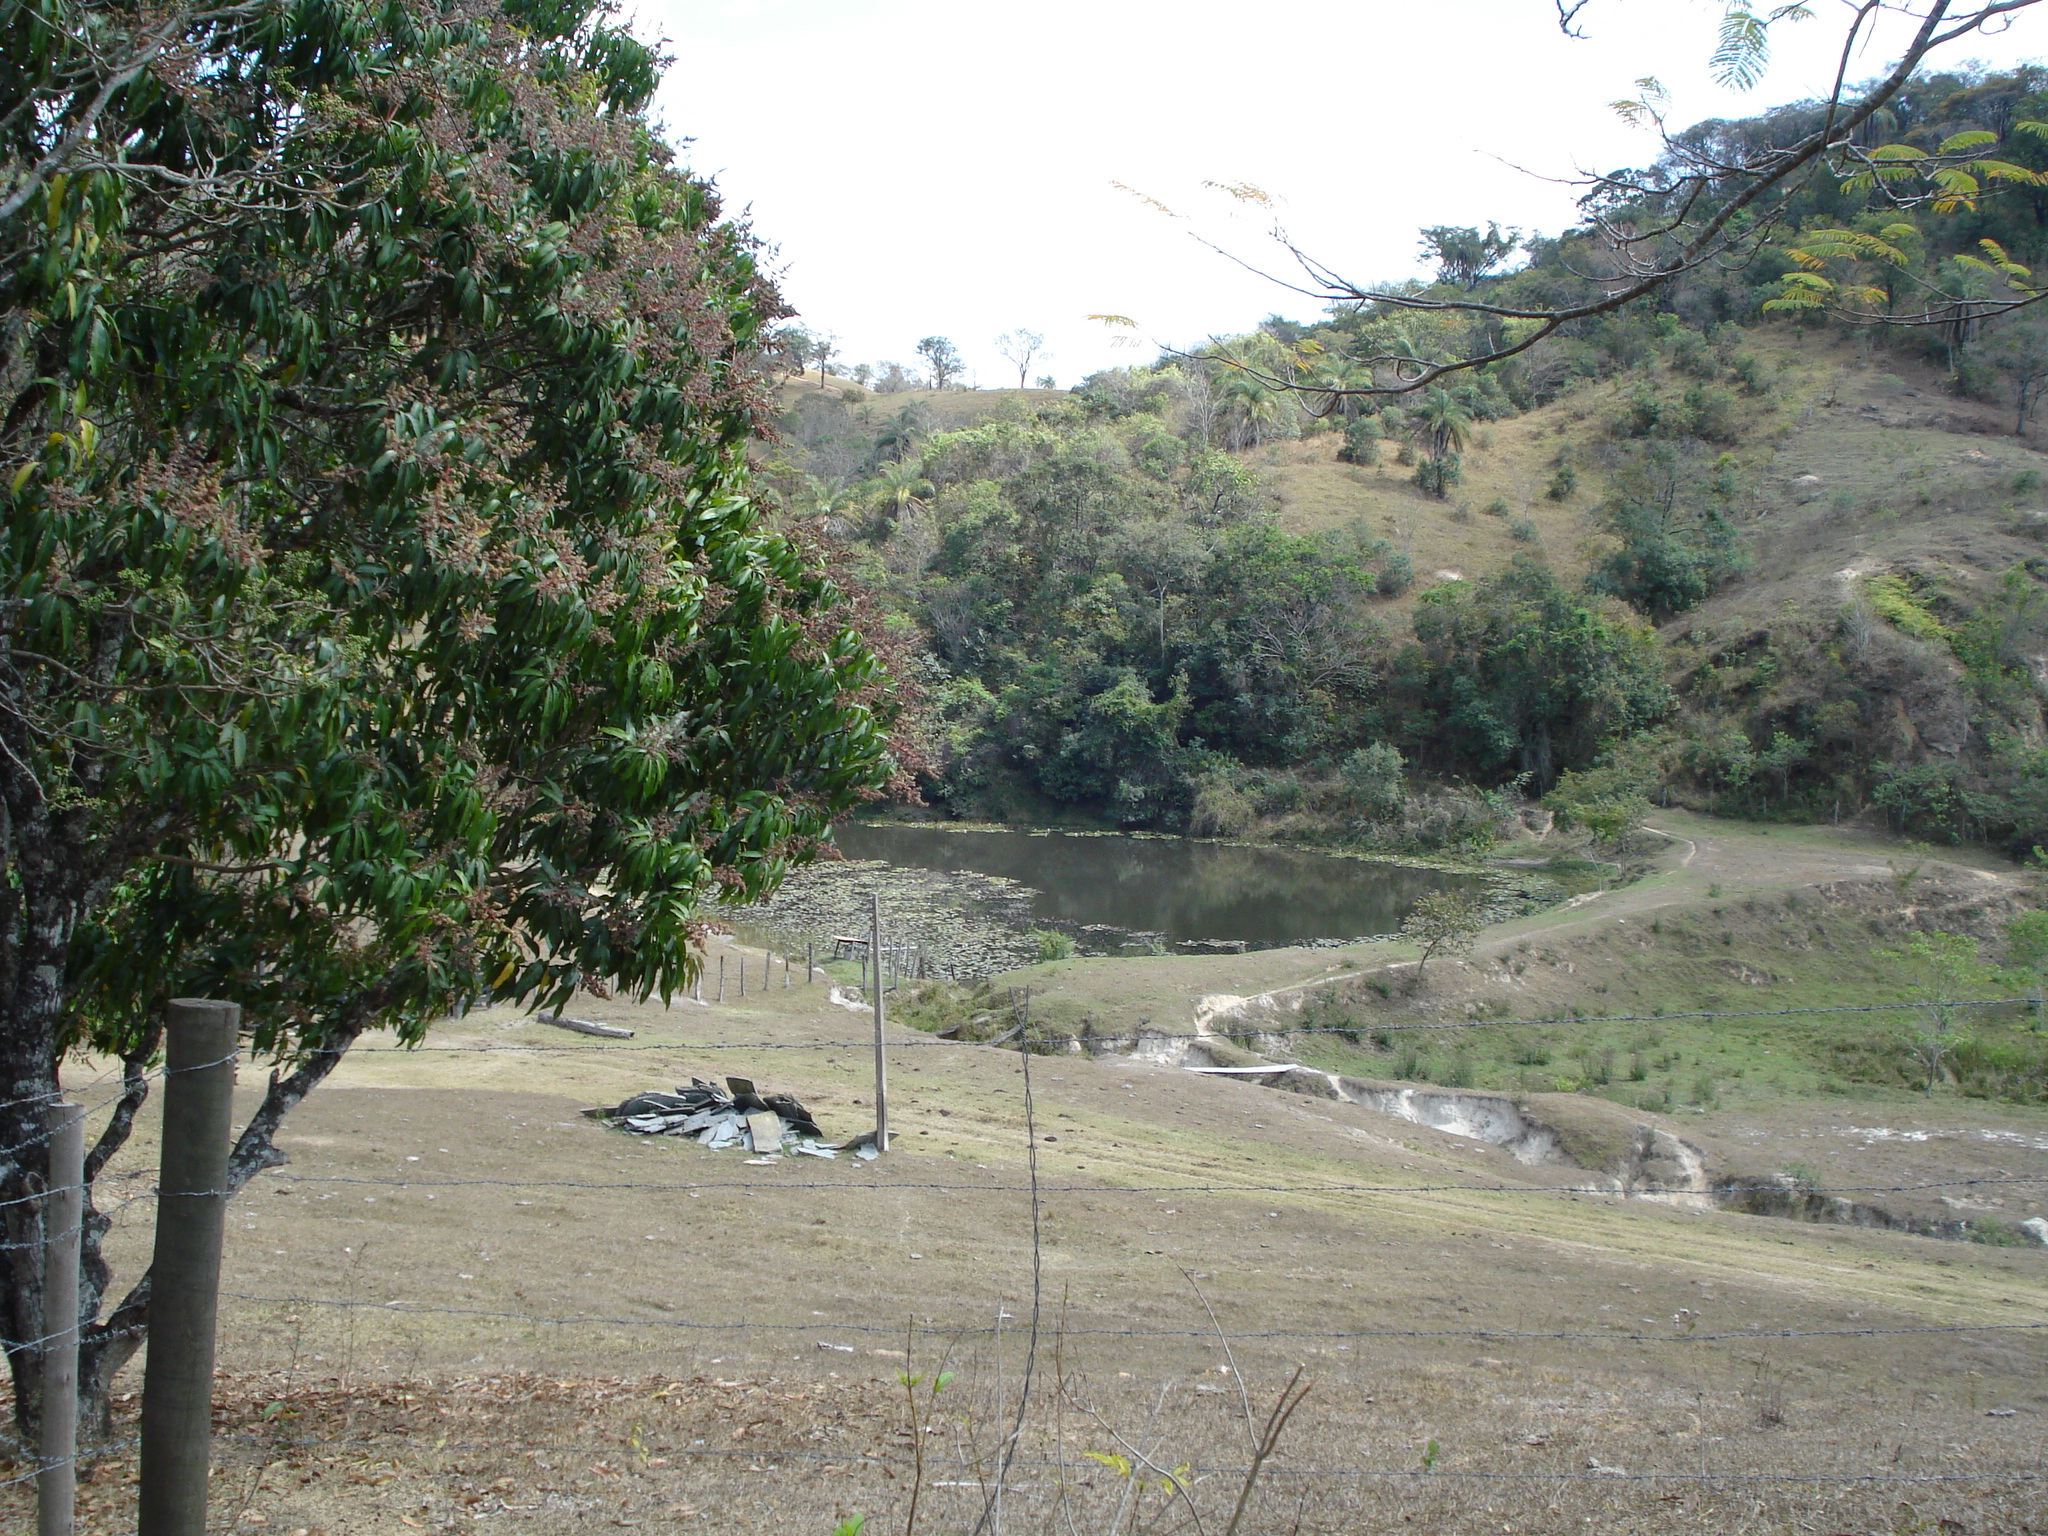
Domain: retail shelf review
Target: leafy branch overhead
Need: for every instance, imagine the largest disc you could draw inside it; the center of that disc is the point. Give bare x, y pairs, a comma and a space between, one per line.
1709, 201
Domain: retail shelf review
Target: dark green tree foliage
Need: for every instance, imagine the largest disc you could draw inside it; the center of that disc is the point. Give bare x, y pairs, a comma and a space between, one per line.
1670, 513
1288, 654
1122, 599
1519, 673
1463, 255
382, 622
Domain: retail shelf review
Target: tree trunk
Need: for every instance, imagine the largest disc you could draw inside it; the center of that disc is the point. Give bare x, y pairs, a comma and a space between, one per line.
32, 964
107, 1344
104, 1347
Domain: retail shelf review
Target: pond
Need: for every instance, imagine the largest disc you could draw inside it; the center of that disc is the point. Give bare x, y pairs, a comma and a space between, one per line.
1174, 888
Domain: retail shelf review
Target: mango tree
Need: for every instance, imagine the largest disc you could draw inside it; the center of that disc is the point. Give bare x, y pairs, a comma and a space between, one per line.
384, 626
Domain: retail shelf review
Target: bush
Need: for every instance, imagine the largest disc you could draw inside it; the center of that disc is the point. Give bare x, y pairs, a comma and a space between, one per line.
1436, 476
1221, 810
1052, 946
1397, 574
1667, 563
1374, 776
1608, 802
1563, 483
1361, 442
1710, 413
1903, 608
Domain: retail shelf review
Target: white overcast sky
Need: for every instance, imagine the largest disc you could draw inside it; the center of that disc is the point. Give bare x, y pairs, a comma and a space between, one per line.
946, 167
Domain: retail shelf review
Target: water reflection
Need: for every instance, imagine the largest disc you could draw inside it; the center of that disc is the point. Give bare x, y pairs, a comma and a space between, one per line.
1182, 889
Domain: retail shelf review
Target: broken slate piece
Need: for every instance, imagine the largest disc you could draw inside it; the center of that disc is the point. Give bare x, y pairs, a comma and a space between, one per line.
766, 1125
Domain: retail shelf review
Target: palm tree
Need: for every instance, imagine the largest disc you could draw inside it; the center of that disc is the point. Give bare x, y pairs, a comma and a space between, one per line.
823, 501
1445, 426
1338, 372
1254, 409
900, 485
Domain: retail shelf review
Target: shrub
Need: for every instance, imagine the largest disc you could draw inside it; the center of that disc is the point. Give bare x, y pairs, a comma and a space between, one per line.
1563, 483
1052, 946
1904, 609
1435, 477
1361, 442
1397, 574
1221, 810
1374, 776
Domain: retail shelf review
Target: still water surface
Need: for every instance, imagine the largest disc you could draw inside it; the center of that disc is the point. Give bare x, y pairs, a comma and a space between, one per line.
1171, 886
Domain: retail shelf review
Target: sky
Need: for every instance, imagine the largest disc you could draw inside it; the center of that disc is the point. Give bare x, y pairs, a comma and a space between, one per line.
946, 167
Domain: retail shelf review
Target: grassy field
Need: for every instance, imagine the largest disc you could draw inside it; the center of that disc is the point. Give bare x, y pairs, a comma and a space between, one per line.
464, 1300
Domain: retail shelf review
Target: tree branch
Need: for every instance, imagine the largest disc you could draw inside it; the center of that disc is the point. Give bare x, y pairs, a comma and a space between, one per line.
1707, 242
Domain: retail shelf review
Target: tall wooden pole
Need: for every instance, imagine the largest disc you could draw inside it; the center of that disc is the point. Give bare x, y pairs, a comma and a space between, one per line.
881, 1055
191, 1209
63, 1216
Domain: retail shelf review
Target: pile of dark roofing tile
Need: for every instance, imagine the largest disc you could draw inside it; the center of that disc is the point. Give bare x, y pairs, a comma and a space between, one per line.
768, 1125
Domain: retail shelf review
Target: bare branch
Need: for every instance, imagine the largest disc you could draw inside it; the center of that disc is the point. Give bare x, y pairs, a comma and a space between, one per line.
1732, 231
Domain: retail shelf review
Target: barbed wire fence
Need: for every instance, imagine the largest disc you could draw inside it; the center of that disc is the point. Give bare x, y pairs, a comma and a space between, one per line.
1120, 1464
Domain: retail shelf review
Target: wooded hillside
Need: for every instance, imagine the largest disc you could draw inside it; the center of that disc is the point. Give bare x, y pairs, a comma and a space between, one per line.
1727, 550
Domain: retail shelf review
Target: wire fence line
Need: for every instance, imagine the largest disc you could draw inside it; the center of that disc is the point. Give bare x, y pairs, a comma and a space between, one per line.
76, 1458
754, 1186
402, 1308
1194, 1469
915, 1038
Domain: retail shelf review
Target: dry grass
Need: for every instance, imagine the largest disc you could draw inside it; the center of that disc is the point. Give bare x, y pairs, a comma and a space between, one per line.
1437, 1444
483, 1330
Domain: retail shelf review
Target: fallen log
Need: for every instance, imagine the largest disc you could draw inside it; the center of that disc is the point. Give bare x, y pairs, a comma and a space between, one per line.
586, 1027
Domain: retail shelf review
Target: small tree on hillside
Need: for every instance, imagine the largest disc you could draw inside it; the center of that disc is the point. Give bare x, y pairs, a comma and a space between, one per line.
794, 346
2026, 959
1444, 923
2020, 352
1020, 347
1609, 802
943, 358
1944, 969
1444, 426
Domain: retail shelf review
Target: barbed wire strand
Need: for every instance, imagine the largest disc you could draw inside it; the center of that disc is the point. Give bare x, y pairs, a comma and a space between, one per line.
1151, 1036
1158, 1189
869, 1459
401, 1308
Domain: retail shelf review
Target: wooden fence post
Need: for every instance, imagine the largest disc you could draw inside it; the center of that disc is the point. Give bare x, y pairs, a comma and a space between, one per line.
881, 1054
191, 1209
63, 1217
